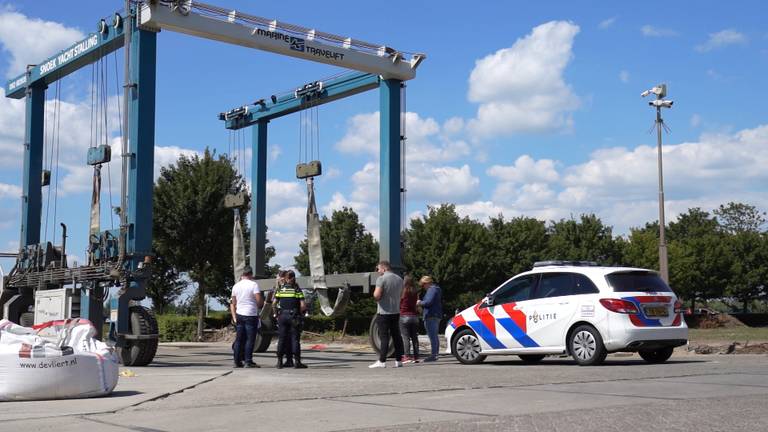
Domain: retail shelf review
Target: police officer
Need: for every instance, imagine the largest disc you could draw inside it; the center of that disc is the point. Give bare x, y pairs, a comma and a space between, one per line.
290, 307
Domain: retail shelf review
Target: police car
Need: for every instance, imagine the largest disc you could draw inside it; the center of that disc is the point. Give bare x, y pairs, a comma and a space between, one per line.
576, 308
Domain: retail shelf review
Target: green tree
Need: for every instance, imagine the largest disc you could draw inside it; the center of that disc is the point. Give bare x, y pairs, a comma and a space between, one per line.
164, 286
641, 248
454, 251
749, 251
693, 223
347, 246
192, 229
737, 218
748, 271
518, 243
586, 239
699, 262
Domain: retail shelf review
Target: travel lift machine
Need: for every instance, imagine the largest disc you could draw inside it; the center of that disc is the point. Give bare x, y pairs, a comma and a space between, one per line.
122, 257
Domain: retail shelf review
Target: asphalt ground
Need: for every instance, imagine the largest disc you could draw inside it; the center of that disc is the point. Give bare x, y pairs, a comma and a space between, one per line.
192, 387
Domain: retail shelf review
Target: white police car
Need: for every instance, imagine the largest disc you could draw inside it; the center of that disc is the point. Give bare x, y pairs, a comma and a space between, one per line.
578, 308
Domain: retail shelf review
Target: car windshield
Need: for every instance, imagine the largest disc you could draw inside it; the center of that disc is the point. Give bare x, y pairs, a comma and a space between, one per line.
644, 281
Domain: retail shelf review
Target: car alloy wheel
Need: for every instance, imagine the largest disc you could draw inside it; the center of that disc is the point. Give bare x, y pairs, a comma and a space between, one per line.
466, 347
584, 345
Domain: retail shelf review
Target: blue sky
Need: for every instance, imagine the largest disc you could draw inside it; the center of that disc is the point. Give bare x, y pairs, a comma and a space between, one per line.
520, 108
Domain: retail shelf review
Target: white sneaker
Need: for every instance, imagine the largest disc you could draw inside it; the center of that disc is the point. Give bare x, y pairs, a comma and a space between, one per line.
378, 364
398, 364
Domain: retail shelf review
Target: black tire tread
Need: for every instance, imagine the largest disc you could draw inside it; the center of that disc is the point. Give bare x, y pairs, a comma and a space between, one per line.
601, 354
27, 319
140, 352
656, 356
373, 338
480, 358
531, 358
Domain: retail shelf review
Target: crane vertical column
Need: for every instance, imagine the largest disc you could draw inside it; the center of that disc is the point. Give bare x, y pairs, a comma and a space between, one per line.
32, 199
389, 180
141, 147
259, 202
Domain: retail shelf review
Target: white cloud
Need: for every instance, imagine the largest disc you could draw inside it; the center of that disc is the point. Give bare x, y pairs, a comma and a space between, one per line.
11, 130
274, 152
453, 125
607, 23
722, 39
620, 184
442, 184
282, 194
651, 31
425, 142
367, 212
521, 88
526, 170
695, 120
424, 182
32, 40
9, 191
288, 218
165, 156
624, 76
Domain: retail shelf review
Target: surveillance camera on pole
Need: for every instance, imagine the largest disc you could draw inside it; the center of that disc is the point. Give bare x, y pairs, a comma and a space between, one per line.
660, 91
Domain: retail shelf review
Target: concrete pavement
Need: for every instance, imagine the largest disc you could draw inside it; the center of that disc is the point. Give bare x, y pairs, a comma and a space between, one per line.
192, 387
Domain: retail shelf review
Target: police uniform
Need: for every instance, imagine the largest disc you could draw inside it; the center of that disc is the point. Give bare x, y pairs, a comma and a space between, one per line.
289, 321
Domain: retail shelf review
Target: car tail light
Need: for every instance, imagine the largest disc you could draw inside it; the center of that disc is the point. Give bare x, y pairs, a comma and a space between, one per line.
679, 307
619, 305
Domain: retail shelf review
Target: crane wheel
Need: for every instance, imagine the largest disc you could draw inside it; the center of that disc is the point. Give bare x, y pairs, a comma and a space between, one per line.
140, 352
373, 332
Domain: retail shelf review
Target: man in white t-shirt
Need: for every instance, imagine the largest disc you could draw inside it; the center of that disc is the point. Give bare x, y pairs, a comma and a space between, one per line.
245, 307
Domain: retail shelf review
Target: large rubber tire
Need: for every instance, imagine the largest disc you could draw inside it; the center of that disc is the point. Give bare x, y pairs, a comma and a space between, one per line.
466, 347
262, 342
531, 358
27, 319
140, 352
586, 346
373, 338
656, 356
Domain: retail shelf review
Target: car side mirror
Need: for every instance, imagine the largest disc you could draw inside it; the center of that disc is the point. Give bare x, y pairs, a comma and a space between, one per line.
489, 300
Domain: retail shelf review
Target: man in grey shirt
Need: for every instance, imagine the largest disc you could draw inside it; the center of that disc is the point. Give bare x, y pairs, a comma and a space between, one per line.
389, 288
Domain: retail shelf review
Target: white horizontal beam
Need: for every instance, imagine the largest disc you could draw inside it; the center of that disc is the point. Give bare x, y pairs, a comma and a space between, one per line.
308, 48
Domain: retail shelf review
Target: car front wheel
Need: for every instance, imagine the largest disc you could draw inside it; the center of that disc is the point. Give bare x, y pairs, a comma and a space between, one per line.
656, 356
586, 346
466, 347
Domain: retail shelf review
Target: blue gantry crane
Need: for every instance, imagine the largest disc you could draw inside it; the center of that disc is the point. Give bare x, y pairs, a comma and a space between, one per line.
122, 257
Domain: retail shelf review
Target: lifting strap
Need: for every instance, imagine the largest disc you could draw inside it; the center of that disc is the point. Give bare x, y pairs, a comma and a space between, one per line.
238, 247
316, 266
95, 202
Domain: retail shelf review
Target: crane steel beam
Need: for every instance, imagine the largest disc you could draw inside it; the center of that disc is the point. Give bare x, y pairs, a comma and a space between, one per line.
69, 60
285, 39
328, 91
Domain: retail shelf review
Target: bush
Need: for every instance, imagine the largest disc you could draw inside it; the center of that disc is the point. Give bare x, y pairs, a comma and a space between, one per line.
356, 325
177, 328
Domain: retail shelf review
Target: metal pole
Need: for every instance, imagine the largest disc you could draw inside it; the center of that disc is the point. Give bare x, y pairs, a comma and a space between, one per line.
127, 29
663, 268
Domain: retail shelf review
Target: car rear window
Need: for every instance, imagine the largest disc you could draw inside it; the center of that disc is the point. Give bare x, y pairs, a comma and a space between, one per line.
637, 281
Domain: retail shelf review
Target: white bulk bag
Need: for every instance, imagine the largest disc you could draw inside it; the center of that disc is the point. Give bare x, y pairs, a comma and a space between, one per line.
55, 360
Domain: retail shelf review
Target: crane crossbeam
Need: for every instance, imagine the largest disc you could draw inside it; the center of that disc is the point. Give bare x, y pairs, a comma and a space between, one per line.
237, 28
316, 93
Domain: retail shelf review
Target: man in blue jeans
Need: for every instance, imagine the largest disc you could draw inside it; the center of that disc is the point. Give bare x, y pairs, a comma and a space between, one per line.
245, 306
432, 304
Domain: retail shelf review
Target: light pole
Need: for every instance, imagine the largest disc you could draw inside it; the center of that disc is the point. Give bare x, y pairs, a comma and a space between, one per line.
660, 91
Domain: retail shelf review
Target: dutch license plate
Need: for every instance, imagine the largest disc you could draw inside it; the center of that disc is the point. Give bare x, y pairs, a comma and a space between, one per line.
656, 311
